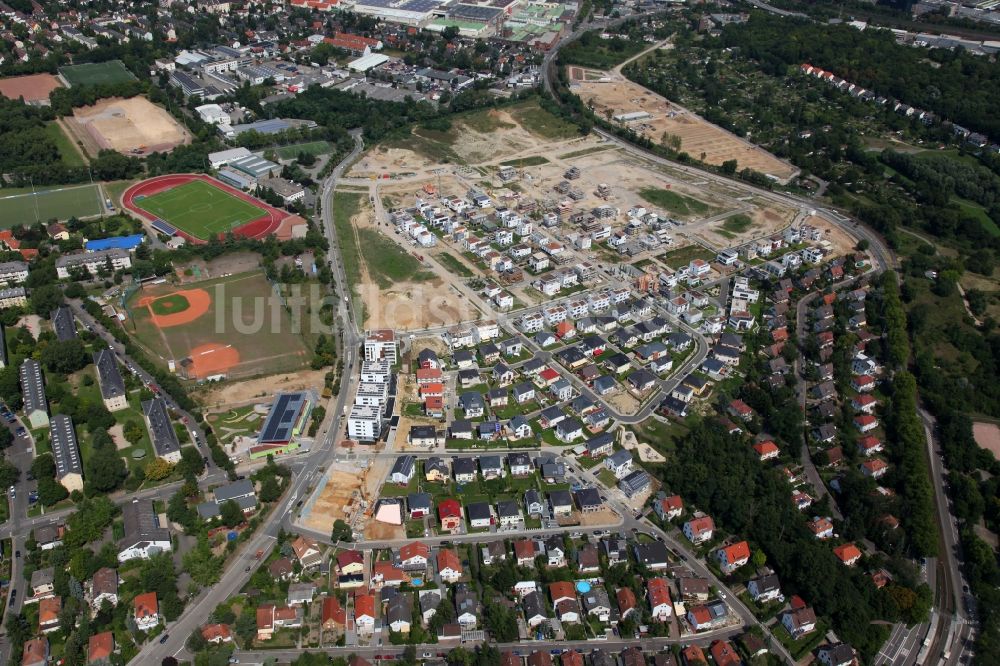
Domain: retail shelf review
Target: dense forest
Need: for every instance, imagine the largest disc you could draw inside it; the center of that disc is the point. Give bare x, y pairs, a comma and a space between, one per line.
725, 479
959, 86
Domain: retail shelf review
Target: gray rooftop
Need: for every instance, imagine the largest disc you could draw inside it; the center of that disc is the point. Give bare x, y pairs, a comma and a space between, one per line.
63, 323
108, 375
65, 449
33, 387
141, 524
161, 430
241, 488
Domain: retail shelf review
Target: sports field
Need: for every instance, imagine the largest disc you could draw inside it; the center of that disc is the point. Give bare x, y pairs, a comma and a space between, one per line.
310, 148
96, 73
21, 206
233, 326
200, 209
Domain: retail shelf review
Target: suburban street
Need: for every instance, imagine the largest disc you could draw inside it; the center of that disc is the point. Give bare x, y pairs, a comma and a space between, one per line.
240, 569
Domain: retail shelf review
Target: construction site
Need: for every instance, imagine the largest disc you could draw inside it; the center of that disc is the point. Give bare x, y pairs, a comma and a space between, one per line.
348, 492
619, 100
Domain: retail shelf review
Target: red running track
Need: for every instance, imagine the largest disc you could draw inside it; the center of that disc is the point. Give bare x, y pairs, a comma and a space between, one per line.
258, 228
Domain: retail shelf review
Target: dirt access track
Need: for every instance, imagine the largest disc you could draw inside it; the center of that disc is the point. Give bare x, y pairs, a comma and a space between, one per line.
610, 94
133, 126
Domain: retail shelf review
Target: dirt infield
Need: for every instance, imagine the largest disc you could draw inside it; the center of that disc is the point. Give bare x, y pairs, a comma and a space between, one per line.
259, 228
213, 359
198, 301
987, 436
34, 88
133, 126
610, 94
234, 325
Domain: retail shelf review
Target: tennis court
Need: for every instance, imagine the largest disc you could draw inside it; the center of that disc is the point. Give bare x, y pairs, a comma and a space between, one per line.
96, 73
200, 209
21, 206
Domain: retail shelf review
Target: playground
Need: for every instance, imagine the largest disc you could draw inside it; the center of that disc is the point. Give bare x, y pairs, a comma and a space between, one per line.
233, 326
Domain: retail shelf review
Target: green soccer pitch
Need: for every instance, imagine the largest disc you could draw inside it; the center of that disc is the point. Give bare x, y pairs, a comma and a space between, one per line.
200, 209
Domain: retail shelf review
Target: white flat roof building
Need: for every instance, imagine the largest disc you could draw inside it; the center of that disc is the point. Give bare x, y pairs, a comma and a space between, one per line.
364, 423
224, 157
368, 62
213, 114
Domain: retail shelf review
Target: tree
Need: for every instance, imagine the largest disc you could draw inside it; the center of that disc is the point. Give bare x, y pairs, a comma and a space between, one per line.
270, 491
199, 562
64, 357
179, 512
43, 466
9, 473
232, 514
45, 299
88, 523
50, 491
133, 432
191, 463
158, 469
105, 469
341, 531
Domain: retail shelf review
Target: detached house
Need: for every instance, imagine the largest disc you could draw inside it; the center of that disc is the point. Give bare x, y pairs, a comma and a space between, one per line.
699, 530
660, 605
733, 557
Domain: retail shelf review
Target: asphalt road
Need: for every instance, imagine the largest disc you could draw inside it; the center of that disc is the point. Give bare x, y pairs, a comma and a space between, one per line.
241, 567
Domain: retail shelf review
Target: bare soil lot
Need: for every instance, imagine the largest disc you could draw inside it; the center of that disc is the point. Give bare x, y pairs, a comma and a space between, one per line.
337, 499
609, 94
132, 126
406, 305
987, 436
34, 88
239, 393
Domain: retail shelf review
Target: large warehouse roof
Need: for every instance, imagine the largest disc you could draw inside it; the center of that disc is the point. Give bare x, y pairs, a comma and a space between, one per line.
370, 61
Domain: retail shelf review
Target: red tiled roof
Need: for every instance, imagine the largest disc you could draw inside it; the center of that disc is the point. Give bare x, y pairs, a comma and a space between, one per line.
415, 549
626, 600
659, 591
349, 557
216, 632
847, 552
145, 605
265, 616
364, 604
447, 558
562, 590
449, 508
333, 611
100, 646
724, 655
737, 551
765, 448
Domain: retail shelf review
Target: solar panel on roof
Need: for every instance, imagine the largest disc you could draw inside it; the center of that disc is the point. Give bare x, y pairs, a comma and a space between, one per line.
281, 419
163, 227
